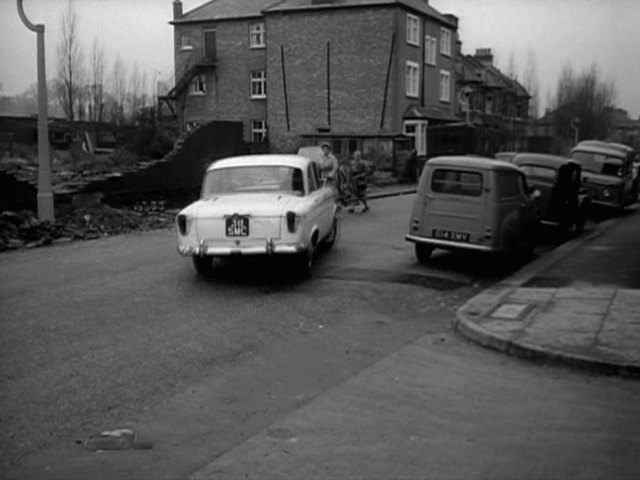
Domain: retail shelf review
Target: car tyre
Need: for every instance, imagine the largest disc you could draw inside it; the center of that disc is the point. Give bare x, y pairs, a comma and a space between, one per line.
581, 221
333, 234
203, 265
304, 262
423, 252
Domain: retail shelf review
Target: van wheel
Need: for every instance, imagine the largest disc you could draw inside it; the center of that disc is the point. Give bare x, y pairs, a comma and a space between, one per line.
423, 252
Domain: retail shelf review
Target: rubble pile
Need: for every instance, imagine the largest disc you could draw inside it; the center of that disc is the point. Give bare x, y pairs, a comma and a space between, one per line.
24, 230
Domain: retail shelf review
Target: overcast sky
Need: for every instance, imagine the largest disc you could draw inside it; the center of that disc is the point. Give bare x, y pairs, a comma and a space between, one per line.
578, 32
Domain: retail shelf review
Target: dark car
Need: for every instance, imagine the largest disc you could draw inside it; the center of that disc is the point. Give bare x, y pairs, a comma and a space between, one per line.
608, 172
562, 199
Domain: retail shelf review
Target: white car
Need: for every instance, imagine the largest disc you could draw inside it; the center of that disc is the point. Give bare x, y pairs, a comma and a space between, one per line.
259, 205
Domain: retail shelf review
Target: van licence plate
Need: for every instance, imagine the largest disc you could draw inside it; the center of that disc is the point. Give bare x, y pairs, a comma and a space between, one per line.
237, 226
450, 235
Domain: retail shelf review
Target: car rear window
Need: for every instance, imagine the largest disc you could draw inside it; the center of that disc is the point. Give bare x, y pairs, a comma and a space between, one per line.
457, 182
253, 179
539, 172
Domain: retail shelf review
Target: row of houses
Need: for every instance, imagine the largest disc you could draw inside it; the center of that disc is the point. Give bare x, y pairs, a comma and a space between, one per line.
372, 75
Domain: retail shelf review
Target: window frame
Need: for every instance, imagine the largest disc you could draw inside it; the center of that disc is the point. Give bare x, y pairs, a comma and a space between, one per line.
192, 125
412, 84
413, 30
186, 46
417, 129
257, 32
198, 85
259, 82
312, 181
258, 127
445, 88
445, 41
430, 50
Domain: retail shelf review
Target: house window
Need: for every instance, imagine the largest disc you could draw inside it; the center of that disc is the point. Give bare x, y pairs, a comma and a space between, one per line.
412, 79
192, 125
185, 41
258, 131
488, 105
413, 30
256, 35
445, 41
416, 130
445, 82
198, 85
209, 46
430, 50
258, 84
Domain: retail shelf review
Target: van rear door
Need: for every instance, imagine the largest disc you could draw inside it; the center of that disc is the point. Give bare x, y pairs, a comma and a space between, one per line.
454, 205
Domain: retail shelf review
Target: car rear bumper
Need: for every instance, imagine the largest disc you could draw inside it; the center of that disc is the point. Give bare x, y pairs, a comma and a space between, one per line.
448, 244
269, 248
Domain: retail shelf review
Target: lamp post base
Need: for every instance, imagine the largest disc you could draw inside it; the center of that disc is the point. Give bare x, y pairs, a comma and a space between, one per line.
45, 207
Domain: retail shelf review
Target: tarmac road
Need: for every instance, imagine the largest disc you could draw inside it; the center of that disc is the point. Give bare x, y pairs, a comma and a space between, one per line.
120, 332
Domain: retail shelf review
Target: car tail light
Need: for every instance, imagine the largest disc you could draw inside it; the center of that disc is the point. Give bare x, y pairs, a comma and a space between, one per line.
292, 222
181, 220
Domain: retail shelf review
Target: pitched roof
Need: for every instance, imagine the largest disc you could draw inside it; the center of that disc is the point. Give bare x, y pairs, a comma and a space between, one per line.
236, 9
471, 70
420, 6
225, 10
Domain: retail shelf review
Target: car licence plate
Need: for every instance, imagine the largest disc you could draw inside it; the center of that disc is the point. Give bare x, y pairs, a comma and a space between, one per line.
450, 235
237, 226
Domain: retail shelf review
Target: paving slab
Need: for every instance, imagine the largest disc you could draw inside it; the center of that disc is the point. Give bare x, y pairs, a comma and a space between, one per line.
589, 319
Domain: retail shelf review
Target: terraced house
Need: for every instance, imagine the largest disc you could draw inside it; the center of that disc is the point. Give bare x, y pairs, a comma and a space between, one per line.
363, 74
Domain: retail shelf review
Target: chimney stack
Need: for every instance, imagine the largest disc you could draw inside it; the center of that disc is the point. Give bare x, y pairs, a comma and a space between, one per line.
177, 9
484, 56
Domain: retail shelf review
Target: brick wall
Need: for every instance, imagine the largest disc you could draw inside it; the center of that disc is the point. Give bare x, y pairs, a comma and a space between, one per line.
228, 84
359, 42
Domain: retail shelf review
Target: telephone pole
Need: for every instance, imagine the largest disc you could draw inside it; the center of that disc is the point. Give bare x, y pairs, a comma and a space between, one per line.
45, 195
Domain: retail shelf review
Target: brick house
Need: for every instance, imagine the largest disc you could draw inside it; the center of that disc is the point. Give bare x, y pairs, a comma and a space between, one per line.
494, 103
362, 74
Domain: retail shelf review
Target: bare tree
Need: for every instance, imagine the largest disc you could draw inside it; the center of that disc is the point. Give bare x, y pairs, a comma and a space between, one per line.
69, 62
135, 91
531, 83
96, 87
583, 101
511, 66
118, 91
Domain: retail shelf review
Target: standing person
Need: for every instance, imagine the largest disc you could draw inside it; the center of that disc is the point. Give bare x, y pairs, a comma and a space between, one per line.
328, 163
359, 172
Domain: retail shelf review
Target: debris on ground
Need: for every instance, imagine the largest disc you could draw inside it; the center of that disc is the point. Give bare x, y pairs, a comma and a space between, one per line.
23, 229
119, 439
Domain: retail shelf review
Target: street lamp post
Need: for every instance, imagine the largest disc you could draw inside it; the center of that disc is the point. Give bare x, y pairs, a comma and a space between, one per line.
45, 195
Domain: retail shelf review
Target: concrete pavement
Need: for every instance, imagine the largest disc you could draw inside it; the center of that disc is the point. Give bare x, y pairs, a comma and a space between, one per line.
578, 305
380, 423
